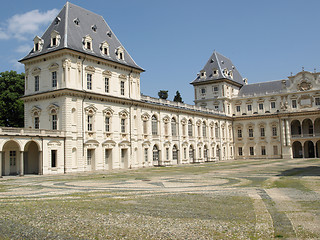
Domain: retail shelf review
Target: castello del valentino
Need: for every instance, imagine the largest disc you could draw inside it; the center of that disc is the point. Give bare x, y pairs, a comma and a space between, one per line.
84, 110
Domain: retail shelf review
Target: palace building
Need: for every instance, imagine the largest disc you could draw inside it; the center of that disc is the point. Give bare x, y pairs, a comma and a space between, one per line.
84, 110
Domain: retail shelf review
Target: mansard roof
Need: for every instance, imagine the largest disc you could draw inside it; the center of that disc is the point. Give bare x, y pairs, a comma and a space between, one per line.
73, 24
263, 88
222, 65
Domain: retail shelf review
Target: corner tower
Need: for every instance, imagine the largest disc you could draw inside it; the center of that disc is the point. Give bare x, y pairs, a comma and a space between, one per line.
217, 83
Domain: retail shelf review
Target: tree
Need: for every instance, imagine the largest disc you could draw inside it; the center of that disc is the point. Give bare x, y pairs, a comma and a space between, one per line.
11, 107
177, 97
163, 94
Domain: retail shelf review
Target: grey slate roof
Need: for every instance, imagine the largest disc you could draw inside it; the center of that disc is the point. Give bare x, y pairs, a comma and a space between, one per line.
72, 35
262, 88
219, 62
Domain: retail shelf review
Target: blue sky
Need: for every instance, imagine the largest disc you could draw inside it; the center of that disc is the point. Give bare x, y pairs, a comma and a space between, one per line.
172, 40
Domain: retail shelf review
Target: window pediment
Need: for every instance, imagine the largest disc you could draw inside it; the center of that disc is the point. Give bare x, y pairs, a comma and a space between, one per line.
90, 69
145, 117
107, 73
35, 111
90, 110
53, 66
123, 77
123, 114
36, 71
53, 108
108, 112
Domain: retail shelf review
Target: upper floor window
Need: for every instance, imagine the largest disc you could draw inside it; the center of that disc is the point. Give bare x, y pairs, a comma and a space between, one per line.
123, 125
154, 125
204, 130
274, 131
203, 90
317, 101
215, 88
249, 107
36, 123
122, 88
190, 128
250, 132
89, 81
239, 133
238, 108
54, 79
273, 104
260, 106
174, 127
54, 119
90, 123
36, 83
106, 85
107, 124
294, 103
262, 133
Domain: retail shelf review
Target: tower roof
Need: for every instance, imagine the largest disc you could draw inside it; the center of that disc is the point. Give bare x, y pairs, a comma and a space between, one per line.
219, 67
73, 23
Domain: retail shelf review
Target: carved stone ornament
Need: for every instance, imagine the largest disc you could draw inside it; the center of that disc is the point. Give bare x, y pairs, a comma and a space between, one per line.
184, 121
304, 85
108, 112
145, 117
166, 119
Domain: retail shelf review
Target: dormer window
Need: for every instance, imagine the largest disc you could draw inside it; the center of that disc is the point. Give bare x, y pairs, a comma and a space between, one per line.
94, 28
87, 43
202, 74
120, 53
38, 44
57, 20
104, 47
76, 21
55, 39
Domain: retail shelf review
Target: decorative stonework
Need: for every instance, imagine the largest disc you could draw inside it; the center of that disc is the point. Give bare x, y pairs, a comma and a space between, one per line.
90, 69
90, 110
305, 101
166, 119
108, 112
304, 85
123, 114
107, 73
109, 144
145, 117
53, 66
36, 71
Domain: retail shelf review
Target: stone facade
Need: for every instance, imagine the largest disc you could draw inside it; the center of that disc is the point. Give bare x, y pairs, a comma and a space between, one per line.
84, 111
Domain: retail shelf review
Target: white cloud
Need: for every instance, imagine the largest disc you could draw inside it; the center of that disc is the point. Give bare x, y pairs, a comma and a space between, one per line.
16, 66
22, 26
23, 48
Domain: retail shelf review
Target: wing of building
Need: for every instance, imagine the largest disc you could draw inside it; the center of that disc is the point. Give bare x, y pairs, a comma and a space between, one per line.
84, 110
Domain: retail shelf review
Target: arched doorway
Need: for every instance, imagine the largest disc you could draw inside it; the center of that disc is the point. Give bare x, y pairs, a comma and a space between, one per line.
309, 149
155, 155
11, 159
174, 155
307, 128
297, 150
295, 128
318, 149
31, 158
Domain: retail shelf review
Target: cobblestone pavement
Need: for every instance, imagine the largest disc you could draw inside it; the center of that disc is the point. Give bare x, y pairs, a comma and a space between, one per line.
250, 199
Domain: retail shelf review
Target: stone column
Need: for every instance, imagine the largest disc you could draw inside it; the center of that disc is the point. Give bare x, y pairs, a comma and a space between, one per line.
315, 150
0, 164
40, 163
21, 164
288, 133
283, 132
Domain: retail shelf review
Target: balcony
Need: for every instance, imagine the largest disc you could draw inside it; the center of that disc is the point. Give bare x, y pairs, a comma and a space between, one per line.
30, 132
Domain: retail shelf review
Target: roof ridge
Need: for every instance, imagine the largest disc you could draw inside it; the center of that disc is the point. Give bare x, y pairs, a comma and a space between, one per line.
266, 82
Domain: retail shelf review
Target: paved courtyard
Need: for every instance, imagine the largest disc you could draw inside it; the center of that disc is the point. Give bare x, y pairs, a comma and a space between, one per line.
251, 199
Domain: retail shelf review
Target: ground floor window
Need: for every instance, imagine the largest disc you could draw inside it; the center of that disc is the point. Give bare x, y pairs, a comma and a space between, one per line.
155, 153
89, 156
263, 150
53, 158
251, 151
107, 153
146, 154
240, 151
167, 153
184, 153
275, 150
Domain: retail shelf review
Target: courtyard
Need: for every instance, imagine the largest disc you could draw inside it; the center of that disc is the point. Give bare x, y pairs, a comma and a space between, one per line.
247, 199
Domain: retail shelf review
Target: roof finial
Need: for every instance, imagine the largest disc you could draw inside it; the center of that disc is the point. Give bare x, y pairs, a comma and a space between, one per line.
302, 69
315, 70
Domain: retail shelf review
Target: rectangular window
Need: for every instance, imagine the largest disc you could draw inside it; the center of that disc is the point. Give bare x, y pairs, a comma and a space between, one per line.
54, 122
89, 81
53, 158
249, 107
260, 106
146, 154
204, 130
216, 107
294, 103
251, 151
122, 88
275, 150
215, 89
88, 45
107, 124
273, 104
36, 123
106, 85
238, 108
203, 90
89, 156
263, 150
13, 158
123, 125
184, 153
54, 79
54, 41
239, 133
167, 153
89, 123
36, 83
274, 131
262, 133
317, 101
107, 153
250, 132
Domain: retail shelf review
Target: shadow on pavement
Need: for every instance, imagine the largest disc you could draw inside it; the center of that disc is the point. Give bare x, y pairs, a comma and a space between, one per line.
305, 171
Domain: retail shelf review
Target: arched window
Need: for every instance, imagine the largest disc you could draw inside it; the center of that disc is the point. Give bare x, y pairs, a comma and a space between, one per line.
204, 129
174, 127
191, 153
175, 153
154, 125
190, 128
